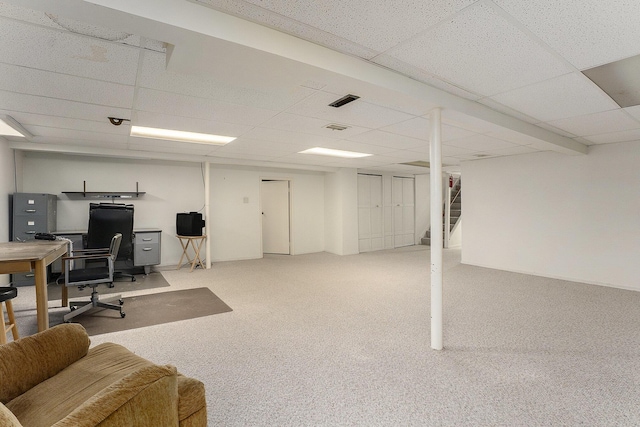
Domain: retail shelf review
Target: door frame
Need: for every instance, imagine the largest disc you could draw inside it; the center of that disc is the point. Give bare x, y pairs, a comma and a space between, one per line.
290, 182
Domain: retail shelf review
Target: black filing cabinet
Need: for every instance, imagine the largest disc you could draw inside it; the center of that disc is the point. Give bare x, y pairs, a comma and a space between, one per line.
31, 213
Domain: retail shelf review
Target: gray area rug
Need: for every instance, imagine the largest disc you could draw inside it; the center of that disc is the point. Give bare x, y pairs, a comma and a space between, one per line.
153, 309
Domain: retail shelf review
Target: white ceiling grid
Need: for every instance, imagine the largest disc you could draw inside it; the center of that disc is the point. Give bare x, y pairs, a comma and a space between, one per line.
61, 78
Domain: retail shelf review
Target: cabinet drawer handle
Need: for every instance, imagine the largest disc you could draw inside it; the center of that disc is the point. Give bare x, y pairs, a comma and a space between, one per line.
30, 275
148, 239
147, 249
30, 232
30, 210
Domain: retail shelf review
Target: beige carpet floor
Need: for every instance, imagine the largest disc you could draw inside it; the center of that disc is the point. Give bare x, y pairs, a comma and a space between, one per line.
324, 340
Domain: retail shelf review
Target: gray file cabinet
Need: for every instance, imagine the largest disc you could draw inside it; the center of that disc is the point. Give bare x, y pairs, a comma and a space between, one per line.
146, 249
31, 213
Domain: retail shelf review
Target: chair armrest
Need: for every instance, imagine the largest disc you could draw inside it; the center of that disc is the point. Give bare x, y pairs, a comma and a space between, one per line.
77, 257
26, 362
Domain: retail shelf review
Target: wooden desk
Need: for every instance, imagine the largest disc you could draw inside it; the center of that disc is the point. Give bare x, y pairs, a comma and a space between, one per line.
187, 241
33, 255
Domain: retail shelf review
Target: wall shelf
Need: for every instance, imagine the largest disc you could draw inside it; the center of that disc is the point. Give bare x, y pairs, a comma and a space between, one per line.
104, 194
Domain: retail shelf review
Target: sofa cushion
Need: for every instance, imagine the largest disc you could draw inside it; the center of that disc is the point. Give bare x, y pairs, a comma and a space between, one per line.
53, 399
39, 357
146, 397
7, 419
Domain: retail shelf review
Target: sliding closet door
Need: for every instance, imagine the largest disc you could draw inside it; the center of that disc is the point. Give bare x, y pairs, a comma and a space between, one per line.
370, 226
403, 194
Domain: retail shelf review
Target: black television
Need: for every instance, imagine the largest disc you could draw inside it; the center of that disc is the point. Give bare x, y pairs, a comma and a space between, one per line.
189, 224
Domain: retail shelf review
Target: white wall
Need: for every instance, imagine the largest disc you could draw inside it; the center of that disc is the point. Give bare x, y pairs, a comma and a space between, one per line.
341, 212
173, 187
7, 187
237, 226
554, 215
170, 188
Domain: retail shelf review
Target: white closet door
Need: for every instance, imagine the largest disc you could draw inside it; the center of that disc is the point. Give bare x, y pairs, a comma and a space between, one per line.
403, 211
377, 231
370, 224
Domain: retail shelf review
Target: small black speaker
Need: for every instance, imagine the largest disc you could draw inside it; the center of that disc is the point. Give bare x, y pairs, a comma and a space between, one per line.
189, 224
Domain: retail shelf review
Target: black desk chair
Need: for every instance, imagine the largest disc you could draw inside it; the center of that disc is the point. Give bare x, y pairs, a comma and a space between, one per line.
107, 219
92, 277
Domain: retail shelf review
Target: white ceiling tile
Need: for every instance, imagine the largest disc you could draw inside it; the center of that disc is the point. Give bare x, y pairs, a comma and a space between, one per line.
201, 108
296, 139
46, 49
62, 86
388, 140
156, 145
154, 75
607, 138
67, 140
566, 96
18, 102
452, 151
480, 143
356, 20
305, 159
265, 17
586, 32
357, 113
597, 123
301, 124
189, 124
247, 146
423, 76
29, 119
511, 151
479, 50
418, 128
74, 134
358, 147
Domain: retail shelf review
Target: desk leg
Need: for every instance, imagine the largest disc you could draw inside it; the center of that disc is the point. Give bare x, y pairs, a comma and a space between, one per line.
42, 304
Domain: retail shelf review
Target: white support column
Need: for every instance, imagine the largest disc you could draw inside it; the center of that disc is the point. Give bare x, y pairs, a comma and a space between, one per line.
435, 160
447, 213
207, 215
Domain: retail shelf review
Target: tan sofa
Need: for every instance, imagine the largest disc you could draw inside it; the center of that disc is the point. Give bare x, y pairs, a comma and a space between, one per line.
53, 379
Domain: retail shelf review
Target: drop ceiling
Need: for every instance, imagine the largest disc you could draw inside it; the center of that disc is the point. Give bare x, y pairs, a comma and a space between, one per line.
508, 76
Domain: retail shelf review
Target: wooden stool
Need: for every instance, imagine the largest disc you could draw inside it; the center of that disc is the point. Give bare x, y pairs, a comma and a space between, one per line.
187, 241
6, 295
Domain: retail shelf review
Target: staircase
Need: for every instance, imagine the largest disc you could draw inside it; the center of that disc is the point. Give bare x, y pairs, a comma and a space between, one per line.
455, 211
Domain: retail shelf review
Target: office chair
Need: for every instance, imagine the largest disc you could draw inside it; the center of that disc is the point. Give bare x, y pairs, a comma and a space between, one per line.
107, 219
92, 277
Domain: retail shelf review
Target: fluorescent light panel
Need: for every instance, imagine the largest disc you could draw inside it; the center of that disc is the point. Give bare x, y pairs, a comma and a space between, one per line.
178, 135
10, 127
334, 153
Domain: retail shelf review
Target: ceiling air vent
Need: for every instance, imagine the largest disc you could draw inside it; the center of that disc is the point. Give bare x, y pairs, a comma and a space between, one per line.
344, 100
336, 127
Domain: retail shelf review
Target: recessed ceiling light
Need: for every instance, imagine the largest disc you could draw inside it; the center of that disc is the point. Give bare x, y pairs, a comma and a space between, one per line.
178, 135
10, 127
335, 153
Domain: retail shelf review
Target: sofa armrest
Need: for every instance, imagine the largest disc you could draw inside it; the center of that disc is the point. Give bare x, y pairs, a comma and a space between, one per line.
7, 419
29, 361
146, 397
